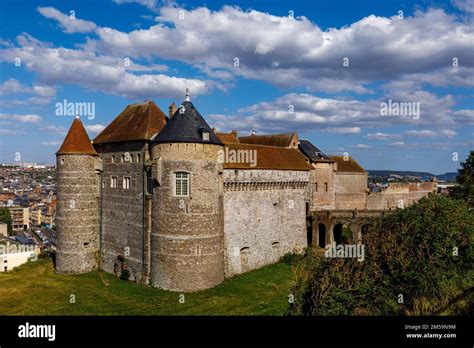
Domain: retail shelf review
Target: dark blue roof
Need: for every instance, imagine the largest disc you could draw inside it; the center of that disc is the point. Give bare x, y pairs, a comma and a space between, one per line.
24, 240
186, 126
311, 151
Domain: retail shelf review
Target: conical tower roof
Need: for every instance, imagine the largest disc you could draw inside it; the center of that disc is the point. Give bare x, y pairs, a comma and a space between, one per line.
77, 141
186, 126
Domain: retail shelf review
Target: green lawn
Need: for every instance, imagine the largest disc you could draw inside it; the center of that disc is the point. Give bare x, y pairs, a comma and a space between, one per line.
34, 289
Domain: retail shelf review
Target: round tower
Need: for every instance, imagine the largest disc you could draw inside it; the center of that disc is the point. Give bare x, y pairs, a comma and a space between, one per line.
188, 225
77, 211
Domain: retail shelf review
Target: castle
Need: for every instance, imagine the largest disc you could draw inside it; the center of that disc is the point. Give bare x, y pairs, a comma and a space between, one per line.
181, 206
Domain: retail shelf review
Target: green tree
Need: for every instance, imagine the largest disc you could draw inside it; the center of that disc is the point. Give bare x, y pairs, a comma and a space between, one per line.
6, 217
465, 180
416, 261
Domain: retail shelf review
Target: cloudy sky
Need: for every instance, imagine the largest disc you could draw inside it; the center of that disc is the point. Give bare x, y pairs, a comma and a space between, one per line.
388, 82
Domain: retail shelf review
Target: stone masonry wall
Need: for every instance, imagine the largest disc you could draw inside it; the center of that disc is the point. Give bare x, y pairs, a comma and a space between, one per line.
187, 236
322, 188
264, 217
351, 190
77, 218
122, 208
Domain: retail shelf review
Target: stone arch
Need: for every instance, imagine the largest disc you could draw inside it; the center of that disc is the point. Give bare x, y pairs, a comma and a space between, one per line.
244, 259
322, 235
364, 228
337, 233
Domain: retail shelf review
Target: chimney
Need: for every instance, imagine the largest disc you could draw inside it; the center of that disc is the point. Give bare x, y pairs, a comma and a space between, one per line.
172, 109
234, 133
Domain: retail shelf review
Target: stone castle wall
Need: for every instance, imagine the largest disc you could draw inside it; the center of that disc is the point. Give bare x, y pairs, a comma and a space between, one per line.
323, 187
77, 214
351, 190
122, 208
264, 216
399, 195
187, 236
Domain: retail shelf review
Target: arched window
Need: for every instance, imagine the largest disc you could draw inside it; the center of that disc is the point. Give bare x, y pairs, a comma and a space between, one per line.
181, 184
113, 159
326, 186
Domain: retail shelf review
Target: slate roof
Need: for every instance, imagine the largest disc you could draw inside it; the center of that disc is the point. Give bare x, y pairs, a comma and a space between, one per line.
138, 121
268, 157
349, 165
227, 138
312, 152
280, 140
186, 127
77, 141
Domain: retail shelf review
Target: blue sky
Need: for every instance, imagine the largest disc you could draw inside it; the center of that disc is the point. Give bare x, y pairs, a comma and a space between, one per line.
322, 68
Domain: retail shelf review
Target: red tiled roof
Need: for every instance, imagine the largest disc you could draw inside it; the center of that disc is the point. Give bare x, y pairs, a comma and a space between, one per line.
227, 138
138, 121
77, 141
347, 165
280, 140
268, 157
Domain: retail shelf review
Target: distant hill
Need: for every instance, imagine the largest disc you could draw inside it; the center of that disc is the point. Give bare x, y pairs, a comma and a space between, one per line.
447, 176
386, 173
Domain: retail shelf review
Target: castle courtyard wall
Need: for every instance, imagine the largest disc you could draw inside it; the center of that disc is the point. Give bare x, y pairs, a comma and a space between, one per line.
351, 190
122, 208
264, 217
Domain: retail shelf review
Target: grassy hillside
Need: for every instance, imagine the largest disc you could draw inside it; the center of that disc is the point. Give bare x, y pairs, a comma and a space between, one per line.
34, 289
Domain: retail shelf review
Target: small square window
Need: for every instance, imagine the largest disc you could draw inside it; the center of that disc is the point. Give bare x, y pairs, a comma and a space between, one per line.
205, 136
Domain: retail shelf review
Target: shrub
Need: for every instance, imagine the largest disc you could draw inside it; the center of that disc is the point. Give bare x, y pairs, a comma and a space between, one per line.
411, 252
125, 275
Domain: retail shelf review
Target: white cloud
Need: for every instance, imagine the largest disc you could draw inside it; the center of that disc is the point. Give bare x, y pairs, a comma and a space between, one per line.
12, 132
382, 136
69, 24
98, 72
151, 4
52, 129
465, 116
51, 143
304, 112
22, 118
42, 94
360, 146
397, 144
95, 128
343, 130
296, 52
427, 133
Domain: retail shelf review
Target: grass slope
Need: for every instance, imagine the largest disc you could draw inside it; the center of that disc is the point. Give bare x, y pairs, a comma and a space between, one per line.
34, 289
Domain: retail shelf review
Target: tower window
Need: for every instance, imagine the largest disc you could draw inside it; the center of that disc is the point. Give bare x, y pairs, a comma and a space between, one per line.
113, 181
126, 182
138, 158
316, 186
112, 159
326, 186
181, 184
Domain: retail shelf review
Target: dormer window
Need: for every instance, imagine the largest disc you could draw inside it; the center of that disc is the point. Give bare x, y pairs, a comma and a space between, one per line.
204, 134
